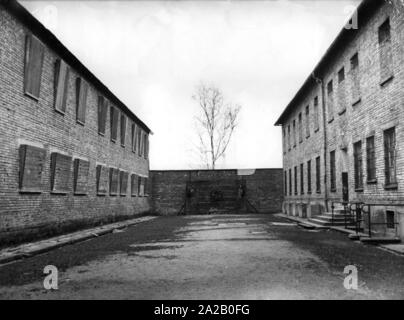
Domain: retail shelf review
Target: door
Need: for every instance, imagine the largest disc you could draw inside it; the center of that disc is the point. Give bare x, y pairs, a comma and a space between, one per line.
345, 187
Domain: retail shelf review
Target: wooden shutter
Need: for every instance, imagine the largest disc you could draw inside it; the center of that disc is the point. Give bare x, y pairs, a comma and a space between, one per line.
61, 85
81, 98
123, 129
114, 123
134, 185
102, 114
80, 178
134, 130
60, 173
32, 162
34, 55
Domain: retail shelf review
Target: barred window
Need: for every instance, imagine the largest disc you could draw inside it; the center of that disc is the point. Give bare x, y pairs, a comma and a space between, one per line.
301, 179
330, 100
318, 182
290, 182
307, 121
285, 182
370, 159
332, 171
385, 52
358, 174
355, 79
390, 157
300, 128
309, 177
316, 115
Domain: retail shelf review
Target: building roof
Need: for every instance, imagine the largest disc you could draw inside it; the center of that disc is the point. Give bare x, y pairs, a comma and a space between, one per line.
53, 42
364, 11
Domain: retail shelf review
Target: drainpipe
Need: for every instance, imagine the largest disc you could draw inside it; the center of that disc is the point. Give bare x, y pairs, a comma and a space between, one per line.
321, 83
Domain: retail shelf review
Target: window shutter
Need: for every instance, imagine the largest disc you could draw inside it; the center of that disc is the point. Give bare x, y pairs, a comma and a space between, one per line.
123, 129
134, 137
102, 114
34, 55
81, 91
61, 85
114, 123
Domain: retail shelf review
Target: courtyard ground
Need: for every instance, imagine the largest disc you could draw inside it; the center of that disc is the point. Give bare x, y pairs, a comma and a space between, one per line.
209, 257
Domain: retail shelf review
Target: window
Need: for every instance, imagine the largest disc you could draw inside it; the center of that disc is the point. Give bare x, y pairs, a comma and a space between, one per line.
285, 183
289, 137
341, 75
284, 140
60, 173
307, 121
146, 146
31, 166
332, 171
134, 185
140, 187
370, 159
295, 180
294, 133
146, 187
114, 123
385, 52
355, 79
309, 177
358, 166
102, 180
300, 128
34, 55
80, 177
102, 114
139, 140
61, 85
318, 182
123, 182
390, 157
301, 179
123, 129
330, 101
290, 182
341, 91
113, 181
390, 219
81, 100
134, 128
316, 115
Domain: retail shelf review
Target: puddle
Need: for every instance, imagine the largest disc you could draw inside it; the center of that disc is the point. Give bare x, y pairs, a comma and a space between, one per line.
283, 224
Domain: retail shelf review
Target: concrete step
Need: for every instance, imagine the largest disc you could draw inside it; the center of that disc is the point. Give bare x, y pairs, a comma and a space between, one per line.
380, 240
327, 222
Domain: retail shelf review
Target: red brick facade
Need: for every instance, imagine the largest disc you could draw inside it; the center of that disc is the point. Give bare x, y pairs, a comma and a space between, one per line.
49, 159
359, 84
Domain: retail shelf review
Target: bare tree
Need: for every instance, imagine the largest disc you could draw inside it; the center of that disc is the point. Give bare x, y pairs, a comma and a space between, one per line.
215, 124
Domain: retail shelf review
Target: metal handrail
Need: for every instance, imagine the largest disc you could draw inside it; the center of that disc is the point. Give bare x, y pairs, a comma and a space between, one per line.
370, 223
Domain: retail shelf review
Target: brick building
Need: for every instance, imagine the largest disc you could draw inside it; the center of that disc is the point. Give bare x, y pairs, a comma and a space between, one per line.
71, 153
343, 131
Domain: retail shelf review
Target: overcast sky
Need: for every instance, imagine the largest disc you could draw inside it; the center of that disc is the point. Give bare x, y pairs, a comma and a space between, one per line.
153, 54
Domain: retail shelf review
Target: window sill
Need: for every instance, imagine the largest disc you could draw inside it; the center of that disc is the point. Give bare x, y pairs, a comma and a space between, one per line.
331, 120
309, 192
101, 134
122, 145
308, 136
317, 130
358, 189
31, 96
333, 190
56, 192
60, 112
101, 194
318, 192
373, 181
387, 80
113, 140
28, 191
80, 122
340, 113
391, 186
80, 193
356, 102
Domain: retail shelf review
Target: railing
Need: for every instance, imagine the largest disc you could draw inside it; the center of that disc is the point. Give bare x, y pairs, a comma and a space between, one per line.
369, 216
352, 212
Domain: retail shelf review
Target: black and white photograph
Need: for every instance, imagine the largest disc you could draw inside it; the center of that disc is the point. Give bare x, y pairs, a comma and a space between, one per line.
201, 156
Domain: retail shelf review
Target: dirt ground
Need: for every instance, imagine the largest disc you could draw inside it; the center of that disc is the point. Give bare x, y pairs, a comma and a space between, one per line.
209, 257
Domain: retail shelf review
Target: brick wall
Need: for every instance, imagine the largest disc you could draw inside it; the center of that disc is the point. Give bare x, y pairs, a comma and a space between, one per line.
379, 108
263, 188
25, 121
